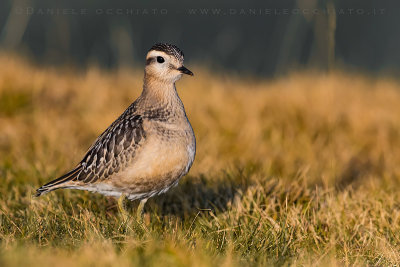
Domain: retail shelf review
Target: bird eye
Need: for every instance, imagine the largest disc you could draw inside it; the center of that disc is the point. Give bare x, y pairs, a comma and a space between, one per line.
160, 60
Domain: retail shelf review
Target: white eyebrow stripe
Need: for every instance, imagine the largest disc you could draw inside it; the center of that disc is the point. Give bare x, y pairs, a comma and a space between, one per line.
156, 54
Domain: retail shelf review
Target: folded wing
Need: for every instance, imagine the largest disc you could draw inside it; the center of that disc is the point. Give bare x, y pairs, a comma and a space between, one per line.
109, 154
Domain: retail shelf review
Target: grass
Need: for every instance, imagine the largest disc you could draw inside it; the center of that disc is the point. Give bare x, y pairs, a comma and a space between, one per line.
301, 170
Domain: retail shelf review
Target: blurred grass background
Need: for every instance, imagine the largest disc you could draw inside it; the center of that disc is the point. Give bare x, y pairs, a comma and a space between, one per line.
296, 116
301, 170
266, 38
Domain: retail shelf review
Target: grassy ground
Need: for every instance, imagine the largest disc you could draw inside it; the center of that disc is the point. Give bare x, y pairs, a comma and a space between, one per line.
301, 170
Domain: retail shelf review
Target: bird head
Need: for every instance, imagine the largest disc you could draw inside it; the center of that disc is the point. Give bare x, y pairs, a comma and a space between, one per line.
164, 62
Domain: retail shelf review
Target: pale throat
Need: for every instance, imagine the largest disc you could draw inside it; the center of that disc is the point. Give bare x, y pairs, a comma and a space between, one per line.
159, 90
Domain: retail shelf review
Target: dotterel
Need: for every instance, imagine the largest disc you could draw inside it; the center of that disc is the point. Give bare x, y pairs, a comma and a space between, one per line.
149, 147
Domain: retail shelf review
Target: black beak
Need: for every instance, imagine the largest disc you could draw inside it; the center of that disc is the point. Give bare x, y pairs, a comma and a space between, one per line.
185, 71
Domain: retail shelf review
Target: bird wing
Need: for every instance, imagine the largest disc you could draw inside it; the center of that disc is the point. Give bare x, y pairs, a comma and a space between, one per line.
109, 154
112, 150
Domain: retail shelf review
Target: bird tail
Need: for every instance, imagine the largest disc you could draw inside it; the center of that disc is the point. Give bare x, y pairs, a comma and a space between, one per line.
58, 183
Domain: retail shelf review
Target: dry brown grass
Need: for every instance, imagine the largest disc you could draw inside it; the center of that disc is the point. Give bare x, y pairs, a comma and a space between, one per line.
300, 170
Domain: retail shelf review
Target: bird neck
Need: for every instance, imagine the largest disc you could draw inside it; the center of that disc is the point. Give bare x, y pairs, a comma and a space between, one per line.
159, 91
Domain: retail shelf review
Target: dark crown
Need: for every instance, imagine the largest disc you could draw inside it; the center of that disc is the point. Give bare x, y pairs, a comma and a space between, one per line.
169, 49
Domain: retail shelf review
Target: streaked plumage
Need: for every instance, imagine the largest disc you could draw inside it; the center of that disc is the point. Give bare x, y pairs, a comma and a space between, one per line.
149, 147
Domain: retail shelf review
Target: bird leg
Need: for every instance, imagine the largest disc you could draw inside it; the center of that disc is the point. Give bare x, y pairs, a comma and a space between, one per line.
121, 205
139, 212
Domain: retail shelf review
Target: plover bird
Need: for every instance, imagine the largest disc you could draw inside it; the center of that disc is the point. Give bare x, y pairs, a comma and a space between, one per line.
148, 148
